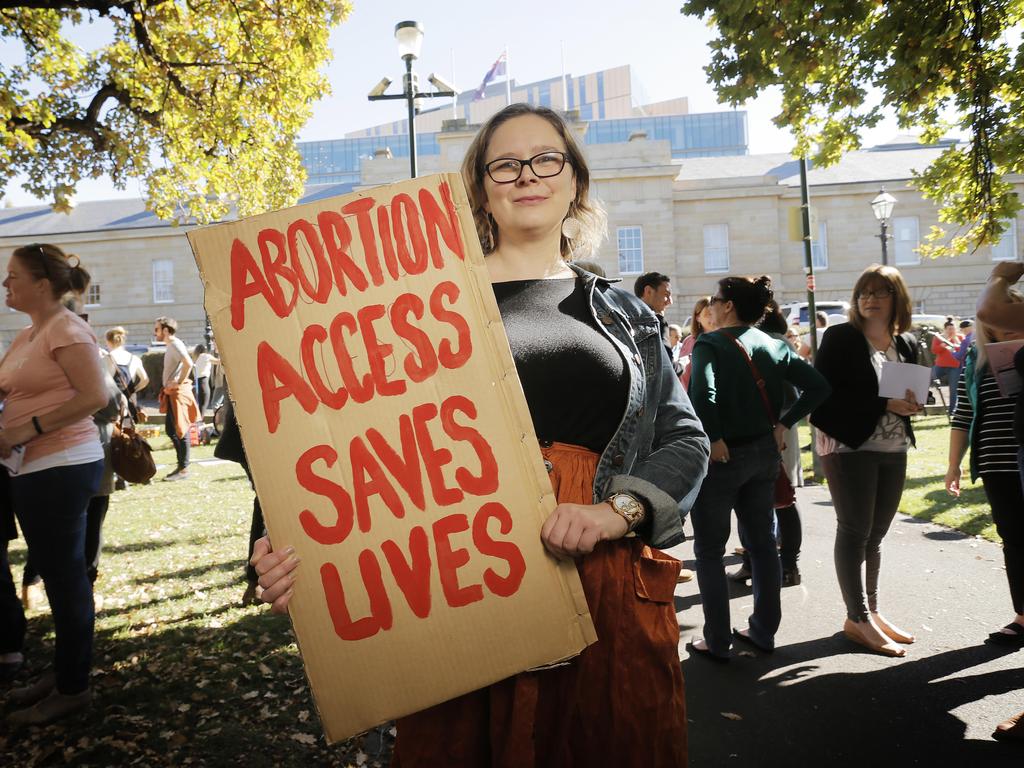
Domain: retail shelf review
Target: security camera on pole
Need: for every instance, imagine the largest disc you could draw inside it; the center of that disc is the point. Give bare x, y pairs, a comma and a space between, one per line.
409, 35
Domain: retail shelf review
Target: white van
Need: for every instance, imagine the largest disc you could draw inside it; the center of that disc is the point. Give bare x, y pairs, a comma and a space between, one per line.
796, 312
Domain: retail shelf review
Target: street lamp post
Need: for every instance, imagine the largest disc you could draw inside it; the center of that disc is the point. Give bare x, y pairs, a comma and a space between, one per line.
882, 206
409, 35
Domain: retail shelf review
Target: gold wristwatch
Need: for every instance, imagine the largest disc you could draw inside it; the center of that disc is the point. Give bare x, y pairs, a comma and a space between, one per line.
631, 510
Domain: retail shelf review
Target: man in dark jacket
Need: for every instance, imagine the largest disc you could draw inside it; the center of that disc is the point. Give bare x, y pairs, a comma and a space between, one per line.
655, 290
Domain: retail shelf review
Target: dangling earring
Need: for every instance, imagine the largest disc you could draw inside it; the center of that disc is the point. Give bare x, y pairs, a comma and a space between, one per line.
570, 228
491, 240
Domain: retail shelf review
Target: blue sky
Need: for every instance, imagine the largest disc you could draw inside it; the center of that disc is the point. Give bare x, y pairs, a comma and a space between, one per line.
666, 50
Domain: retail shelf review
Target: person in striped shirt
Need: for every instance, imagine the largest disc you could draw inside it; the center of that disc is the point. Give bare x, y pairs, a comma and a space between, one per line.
983, 421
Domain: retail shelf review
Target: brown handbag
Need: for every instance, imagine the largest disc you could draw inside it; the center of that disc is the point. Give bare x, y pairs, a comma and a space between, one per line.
785, 496
130, 455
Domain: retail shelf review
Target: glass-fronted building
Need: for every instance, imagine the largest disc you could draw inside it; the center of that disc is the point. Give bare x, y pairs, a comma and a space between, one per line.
608, 101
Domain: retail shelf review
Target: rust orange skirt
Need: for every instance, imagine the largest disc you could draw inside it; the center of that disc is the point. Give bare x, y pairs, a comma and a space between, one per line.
619, 703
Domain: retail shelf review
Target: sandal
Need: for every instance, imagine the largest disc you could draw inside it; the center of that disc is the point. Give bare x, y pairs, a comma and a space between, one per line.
697, 651
1011, 730
885, 649
1014, 637
744, 637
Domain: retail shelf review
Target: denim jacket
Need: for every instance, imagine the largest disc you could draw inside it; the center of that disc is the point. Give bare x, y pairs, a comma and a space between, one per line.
659, 453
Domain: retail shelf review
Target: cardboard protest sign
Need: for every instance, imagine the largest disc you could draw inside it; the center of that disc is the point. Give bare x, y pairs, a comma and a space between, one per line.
391, 446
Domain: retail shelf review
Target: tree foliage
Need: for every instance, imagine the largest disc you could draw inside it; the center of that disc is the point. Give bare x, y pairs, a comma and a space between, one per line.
202, 99
937, 63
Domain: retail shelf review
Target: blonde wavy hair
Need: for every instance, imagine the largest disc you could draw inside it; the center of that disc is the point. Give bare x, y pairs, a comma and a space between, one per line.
593, 222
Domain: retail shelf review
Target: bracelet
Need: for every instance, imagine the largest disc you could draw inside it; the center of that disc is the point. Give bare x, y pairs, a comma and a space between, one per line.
37, 425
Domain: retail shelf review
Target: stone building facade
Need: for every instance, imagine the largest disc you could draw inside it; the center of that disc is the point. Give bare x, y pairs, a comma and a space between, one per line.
692, 219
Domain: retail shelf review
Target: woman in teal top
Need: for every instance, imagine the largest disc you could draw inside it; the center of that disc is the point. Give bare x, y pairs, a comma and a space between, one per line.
732, 367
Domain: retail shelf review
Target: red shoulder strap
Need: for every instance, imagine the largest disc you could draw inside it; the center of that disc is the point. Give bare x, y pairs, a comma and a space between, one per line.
758, 378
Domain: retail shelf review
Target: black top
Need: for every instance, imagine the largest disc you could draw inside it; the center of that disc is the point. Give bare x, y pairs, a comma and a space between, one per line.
852, 411
993, 432
575, 381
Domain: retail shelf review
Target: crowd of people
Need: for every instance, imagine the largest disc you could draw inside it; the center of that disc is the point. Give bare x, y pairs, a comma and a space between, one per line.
642, 425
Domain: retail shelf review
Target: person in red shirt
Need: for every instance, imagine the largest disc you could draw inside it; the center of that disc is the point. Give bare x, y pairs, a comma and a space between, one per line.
947, 368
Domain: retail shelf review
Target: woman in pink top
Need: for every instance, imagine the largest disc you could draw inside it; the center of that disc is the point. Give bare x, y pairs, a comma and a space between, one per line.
51, 382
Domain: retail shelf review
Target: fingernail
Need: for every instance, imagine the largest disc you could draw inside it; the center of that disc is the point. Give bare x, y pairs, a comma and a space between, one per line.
289, 550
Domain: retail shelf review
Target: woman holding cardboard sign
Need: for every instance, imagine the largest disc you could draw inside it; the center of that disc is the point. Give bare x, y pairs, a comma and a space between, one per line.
863, 441
622, 446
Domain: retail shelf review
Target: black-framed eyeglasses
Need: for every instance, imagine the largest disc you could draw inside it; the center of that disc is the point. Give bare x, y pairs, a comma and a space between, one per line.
506, 170
878, 293
717, 300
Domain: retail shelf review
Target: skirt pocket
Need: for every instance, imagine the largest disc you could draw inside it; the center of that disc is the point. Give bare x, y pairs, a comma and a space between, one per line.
655, 575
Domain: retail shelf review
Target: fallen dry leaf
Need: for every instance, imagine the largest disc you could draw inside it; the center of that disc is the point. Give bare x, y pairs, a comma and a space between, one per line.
731, 716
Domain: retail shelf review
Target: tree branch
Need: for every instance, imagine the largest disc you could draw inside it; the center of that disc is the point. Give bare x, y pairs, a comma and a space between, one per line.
100, 7
90, 124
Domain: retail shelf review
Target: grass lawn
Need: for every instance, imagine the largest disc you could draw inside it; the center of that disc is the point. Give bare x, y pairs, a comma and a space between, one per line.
924, 495
183, 674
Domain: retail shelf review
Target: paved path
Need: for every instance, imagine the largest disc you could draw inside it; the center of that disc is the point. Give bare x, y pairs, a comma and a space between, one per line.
820, 700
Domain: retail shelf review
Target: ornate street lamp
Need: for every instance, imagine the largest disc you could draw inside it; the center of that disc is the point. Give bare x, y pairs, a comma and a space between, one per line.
409, 35
882, 206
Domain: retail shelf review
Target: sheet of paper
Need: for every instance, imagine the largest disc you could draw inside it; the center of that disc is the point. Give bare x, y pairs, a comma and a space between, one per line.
1000, 358
897, 378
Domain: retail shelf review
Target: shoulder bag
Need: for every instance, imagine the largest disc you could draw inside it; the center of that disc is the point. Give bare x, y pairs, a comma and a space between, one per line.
785, 496
130, 455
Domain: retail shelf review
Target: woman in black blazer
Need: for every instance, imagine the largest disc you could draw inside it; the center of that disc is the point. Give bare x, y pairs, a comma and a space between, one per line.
863, 441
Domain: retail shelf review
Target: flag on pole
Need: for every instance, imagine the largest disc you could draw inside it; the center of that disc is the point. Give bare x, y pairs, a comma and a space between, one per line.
497, 69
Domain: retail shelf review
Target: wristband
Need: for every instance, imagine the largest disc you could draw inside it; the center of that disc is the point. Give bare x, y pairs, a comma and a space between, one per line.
37, 425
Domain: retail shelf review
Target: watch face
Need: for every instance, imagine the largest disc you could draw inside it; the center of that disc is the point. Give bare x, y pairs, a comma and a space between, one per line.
626, 506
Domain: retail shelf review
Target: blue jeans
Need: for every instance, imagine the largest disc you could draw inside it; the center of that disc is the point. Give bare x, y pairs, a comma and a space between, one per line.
181, 444
745, 483
950, 377
50, 506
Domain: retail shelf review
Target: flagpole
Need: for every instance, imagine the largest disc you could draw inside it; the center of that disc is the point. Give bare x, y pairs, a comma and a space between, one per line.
508, 79
565, 86
455, 99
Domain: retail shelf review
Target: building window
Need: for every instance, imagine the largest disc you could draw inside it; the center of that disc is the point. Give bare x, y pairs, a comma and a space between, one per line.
631, 250
716, 247
92, 296
163, 281
905, 240
1006, 248
819, 247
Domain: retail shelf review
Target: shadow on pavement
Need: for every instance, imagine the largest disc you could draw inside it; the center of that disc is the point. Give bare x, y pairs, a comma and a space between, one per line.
901, 714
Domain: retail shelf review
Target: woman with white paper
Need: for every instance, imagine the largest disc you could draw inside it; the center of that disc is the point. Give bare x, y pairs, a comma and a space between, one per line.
622, 447
863, 441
